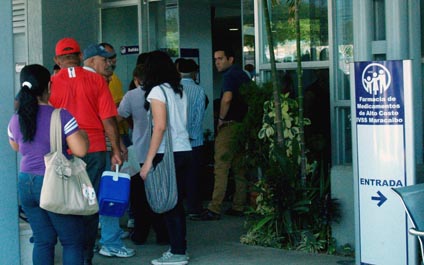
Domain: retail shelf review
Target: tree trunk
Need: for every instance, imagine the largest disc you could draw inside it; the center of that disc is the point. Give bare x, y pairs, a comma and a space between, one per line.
276, 91
300, 95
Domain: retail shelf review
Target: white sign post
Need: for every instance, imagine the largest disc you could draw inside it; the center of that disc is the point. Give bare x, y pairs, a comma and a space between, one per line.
383, 158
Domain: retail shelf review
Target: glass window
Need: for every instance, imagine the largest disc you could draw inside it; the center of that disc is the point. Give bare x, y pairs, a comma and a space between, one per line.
248, 32
314, 32
344, 42
343, 53
344, 136
113, 21
422, 27
288, 82
164, 26
379, 20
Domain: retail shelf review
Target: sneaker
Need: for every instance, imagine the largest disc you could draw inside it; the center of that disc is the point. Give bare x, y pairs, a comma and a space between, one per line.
169, 251
233, 212
208, 215
195, 216
96, 248
122, 252
22, 215
171, 259
124, 234
130, 223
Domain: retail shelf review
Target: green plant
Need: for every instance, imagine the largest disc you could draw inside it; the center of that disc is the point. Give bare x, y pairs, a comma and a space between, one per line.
247, 141
264, 227
311, 242
291, 133
346, 250
289, 213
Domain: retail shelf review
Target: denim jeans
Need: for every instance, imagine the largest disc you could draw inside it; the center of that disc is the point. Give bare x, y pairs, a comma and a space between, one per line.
47, 226
111, 232
110, 229
96, 163
175, 220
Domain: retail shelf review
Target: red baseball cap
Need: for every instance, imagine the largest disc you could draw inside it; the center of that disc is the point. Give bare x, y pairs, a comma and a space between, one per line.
67, 46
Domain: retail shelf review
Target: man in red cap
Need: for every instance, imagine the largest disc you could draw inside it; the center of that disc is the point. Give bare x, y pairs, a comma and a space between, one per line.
87, 97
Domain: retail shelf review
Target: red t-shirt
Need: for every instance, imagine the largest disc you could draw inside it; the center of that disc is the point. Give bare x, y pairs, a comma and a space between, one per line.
87, 97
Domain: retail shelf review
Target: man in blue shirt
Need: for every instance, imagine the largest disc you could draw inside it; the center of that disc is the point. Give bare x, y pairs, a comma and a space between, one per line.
231, 111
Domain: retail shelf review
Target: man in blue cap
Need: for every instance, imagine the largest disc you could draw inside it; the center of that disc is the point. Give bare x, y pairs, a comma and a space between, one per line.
98, 59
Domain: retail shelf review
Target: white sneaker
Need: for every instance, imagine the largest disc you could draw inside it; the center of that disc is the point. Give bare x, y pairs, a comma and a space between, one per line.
171, 259
124, 234
130, 223
122, 252
169, 251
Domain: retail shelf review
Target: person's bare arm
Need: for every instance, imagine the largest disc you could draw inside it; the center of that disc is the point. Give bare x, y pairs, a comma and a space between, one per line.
14, 145
111, 130
225, 106
158, 109
78, 143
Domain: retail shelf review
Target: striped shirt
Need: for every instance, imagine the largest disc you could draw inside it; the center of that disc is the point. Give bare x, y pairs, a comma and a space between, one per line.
196, 99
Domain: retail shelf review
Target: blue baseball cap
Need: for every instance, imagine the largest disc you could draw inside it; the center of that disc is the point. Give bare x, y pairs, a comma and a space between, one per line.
96, 50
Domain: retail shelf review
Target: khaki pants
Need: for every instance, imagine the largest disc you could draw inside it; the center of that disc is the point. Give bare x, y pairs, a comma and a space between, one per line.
225, 159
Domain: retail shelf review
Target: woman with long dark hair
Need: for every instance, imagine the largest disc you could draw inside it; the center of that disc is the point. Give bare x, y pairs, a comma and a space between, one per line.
132, 105
29, 134
160, 71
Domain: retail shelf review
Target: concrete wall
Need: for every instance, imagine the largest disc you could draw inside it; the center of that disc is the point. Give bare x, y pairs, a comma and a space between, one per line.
342, 191
9, 229
47, 22
195, 33
59, 19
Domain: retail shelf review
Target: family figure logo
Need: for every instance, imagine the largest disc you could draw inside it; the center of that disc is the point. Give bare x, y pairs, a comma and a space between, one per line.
376, 79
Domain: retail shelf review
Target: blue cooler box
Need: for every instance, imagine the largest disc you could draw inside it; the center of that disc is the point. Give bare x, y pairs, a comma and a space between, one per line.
114, 193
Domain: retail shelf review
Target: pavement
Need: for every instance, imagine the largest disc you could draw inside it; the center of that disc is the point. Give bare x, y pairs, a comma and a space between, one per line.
209, 243
218, 243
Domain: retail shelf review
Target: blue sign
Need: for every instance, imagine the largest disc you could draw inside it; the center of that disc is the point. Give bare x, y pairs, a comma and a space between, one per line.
379, 94
383, 158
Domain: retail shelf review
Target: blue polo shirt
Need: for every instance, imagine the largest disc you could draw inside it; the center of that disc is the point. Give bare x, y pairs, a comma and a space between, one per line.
233, 78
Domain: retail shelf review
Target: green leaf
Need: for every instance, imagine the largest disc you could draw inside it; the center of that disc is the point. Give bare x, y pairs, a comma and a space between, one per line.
262, 222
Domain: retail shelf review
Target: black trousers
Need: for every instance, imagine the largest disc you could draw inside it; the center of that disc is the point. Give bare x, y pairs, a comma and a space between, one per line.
144, 217
175, 219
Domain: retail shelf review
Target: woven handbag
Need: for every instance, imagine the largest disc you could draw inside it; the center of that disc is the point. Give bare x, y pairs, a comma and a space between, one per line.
161, 181
66, 189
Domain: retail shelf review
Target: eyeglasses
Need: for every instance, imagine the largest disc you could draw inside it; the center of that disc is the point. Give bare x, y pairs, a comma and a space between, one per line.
105, 60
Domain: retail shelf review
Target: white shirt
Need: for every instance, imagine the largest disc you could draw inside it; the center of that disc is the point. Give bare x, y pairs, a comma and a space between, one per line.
177, 107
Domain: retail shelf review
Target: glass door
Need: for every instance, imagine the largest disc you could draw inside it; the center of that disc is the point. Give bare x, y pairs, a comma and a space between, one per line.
120, 28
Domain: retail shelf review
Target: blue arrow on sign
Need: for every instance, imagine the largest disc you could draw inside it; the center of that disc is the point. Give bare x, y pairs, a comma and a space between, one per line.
381, 198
